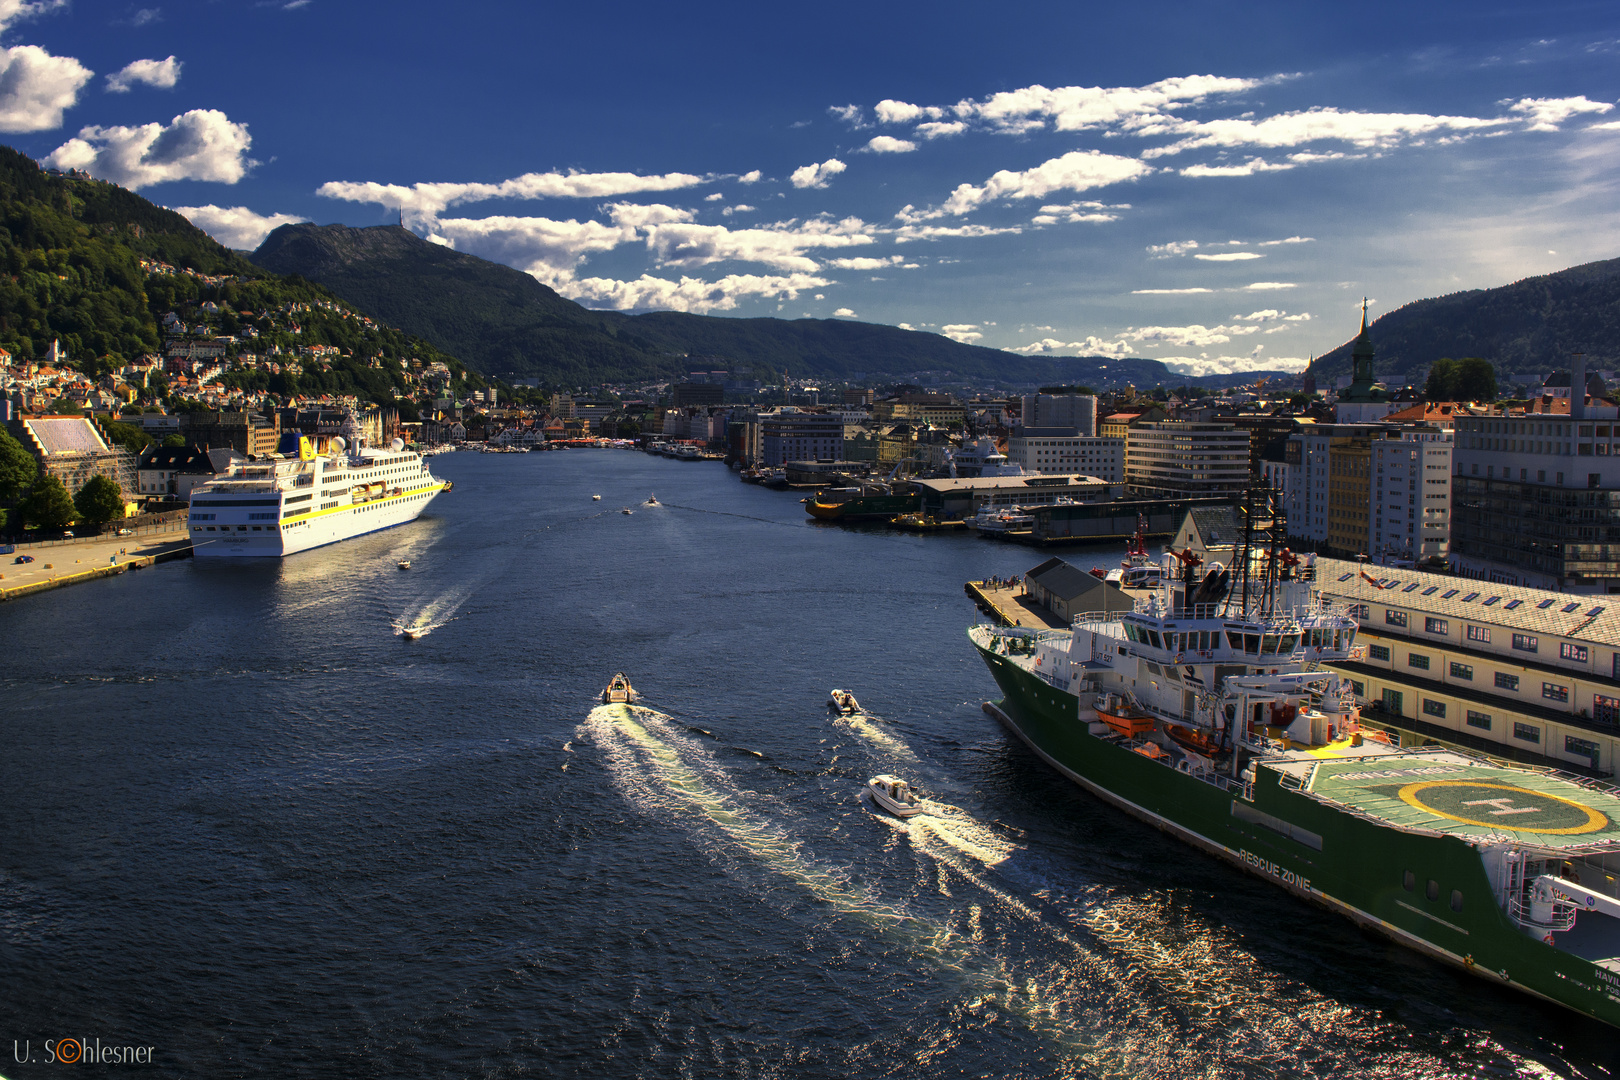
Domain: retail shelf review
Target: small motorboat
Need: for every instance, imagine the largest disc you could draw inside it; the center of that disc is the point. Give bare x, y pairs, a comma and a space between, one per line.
404, 564
843, 703
894, 795
596, 498
411, 633
619, 691
627, 511
652, 500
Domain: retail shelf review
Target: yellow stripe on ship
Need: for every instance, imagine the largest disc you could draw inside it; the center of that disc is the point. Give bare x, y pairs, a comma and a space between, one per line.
369, 502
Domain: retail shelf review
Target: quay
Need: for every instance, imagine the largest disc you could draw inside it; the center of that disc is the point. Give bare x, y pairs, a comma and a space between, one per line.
1010, 605
59, 564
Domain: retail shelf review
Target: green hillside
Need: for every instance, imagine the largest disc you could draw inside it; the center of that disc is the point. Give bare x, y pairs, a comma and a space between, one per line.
502, 321
1525, 329
71, 249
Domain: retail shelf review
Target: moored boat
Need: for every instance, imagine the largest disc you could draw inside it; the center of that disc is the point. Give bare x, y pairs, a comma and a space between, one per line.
1203, 711
894, 795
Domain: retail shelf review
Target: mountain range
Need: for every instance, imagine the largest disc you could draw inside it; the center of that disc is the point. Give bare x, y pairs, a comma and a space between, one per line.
504, 323
1526, 329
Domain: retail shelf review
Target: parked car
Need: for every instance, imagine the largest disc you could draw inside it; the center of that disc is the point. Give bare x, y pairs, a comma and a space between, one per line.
24, 559
126, 532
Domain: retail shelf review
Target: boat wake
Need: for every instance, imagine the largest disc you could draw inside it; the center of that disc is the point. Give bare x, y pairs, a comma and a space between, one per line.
432, 615
876, 737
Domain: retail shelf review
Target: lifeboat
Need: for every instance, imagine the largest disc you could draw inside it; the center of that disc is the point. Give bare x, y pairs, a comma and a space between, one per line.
1194, 739
1113, 710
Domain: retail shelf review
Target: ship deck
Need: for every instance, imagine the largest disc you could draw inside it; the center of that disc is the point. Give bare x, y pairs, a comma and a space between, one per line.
1448, 792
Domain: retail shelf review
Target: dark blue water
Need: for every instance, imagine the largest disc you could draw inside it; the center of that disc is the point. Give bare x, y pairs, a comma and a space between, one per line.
244, 823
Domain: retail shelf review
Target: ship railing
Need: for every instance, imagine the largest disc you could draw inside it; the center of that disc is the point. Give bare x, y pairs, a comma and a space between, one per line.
1519, 909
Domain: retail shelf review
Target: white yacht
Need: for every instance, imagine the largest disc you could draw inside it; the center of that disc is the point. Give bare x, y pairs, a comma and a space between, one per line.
894, 795
333, 489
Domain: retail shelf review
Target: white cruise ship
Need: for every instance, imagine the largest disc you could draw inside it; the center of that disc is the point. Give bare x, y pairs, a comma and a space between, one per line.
280, 505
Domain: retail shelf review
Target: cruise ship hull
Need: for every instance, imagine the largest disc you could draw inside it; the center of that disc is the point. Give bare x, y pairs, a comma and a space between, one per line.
313, 531
1334, 857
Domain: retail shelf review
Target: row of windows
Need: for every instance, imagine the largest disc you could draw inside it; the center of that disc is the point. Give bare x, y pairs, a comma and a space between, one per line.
1522, 642
1432, 890
1504, 681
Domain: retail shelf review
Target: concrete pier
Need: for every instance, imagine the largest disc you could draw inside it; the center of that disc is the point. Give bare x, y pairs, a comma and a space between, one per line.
61, 564
1009, 605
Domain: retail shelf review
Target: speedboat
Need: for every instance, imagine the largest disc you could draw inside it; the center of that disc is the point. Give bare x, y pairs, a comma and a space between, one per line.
627, 511
404, 564
596, 498
411, 633
619, 691
652, 500
843, 702
894, 795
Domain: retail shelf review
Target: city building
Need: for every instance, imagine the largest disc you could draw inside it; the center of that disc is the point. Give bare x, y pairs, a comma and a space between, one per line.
1518, 672
245, 432
1349, 495
800, 436
1056, 450
1175, 459
72, 449
1363, 400
1410, 491
695, 393
1077, 411
1536, 497
1067, 591
170, 472
963, 497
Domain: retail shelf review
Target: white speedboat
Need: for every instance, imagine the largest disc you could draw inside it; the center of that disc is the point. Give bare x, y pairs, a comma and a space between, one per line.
843, 702
894, 795
627, 511
411, 633
404, 564
596, 498
619, 691
652, 500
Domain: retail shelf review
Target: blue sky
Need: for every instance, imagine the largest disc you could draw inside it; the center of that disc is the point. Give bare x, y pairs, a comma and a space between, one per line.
1216, 186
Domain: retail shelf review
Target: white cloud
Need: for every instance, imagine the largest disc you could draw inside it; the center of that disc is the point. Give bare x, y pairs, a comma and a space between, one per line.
1078, 170
202, 144
1079, 108
844, 313
905, 326
1168, 292
852, 115
1263, 286
753, 176
1367, 130
740, 208
940, 129
868, 263
1091, 346
890, 111
162, 74
688, 294
817, 176
1199, 366
716, 197
1612, 125
888, 144
1545, 114
1287, 240
36, 87
1196, 334
941, 232
235, 226
966, 333
1248, 168
1231, 256
145, 15
550, 250
1273, 315
781, 246
1172, 249
420, 203
1079, 212
12, 11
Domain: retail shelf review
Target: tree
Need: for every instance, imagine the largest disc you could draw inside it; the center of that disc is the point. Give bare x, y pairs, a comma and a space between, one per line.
99, 501
1476, 380
18, 468
47, 505
174, 441
126, 436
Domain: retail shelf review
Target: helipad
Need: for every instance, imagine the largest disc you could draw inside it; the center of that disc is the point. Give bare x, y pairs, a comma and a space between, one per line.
1470, 797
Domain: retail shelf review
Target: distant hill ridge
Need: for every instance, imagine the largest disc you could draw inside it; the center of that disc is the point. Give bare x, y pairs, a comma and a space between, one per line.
1526, 329
502, 321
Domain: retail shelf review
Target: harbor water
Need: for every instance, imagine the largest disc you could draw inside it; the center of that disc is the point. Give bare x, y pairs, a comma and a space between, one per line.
248, 825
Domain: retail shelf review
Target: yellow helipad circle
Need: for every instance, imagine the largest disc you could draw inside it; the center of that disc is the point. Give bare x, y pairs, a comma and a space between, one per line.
1505, 810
